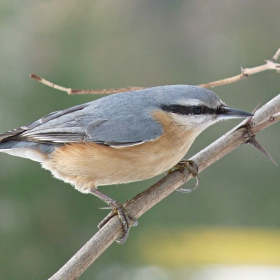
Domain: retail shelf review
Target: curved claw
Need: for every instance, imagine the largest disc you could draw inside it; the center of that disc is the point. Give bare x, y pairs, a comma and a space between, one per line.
193, 169
125, 219
182, 190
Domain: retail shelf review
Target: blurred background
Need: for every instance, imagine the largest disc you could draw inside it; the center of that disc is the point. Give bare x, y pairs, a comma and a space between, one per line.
227, 229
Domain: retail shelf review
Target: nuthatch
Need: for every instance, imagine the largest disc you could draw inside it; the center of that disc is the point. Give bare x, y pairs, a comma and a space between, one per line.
120, 138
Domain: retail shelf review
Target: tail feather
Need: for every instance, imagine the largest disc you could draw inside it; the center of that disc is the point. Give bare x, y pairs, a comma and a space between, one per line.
12, 143
6, 136
32, 150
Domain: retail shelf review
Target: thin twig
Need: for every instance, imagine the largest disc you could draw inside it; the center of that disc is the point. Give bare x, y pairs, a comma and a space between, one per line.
49, 84
277, 54
269, 65
71, 91
245, 73
264, 117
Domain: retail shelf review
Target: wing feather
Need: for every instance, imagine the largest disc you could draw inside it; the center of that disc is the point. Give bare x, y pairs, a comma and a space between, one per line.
97, 121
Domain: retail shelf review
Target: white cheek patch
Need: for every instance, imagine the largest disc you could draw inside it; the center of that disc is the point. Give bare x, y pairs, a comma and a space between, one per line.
194, 121
25, 153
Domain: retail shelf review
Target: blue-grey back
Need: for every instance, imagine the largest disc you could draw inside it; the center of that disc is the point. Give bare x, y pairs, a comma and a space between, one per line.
119, 119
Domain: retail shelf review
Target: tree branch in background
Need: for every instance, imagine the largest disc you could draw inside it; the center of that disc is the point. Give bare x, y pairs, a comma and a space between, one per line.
245, 73
71, 91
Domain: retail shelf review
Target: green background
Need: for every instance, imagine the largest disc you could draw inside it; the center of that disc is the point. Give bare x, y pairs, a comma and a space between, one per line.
115, 43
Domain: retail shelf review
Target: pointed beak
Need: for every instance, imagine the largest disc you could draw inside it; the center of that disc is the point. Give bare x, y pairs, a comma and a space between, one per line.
231, 113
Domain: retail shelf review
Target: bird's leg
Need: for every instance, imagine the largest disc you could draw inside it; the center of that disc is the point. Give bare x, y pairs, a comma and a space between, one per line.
119, 210
192, 168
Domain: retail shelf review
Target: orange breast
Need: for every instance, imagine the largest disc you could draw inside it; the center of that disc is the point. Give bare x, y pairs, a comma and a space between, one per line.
88, 164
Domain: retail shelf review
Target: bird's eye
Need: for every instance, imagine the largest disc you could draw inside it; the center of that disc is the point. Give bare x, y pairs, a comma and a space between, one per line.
196, 110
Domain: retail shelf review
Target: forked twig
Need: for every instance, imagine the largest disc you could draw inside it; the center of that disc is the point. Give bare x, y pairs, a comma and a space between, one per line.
245, 73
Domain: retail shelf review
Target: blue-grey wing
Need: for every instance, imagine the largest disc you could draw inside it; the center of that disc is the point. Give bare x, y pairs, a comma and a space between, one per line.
93, 122
125, 131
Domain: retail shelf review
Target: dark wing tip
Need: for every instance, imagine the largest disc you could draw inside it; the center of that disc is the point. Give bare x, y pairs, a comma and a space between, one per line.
10, 134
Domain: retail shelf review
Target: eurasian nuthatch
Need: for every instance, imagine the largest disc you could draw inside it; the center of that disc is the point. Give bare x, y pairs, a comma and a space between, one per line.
120, 138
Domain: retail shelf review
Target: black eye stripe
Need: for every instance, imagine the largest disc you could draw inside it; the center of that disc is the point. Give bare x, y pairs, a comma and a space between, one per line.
192, 110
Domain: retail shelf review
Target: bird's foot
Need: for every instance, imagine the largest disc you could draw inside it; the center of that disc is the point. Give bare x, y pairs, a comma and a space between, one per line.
126, 219
191, 167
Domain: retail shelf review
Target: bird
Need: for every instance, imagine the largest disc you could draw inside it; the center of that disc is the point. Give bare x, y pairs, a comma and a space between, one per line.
120, 138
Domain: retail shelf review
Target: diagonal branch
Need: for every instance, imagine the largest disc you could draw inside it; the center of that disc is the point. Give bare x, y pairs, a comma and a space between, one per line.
264, 117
